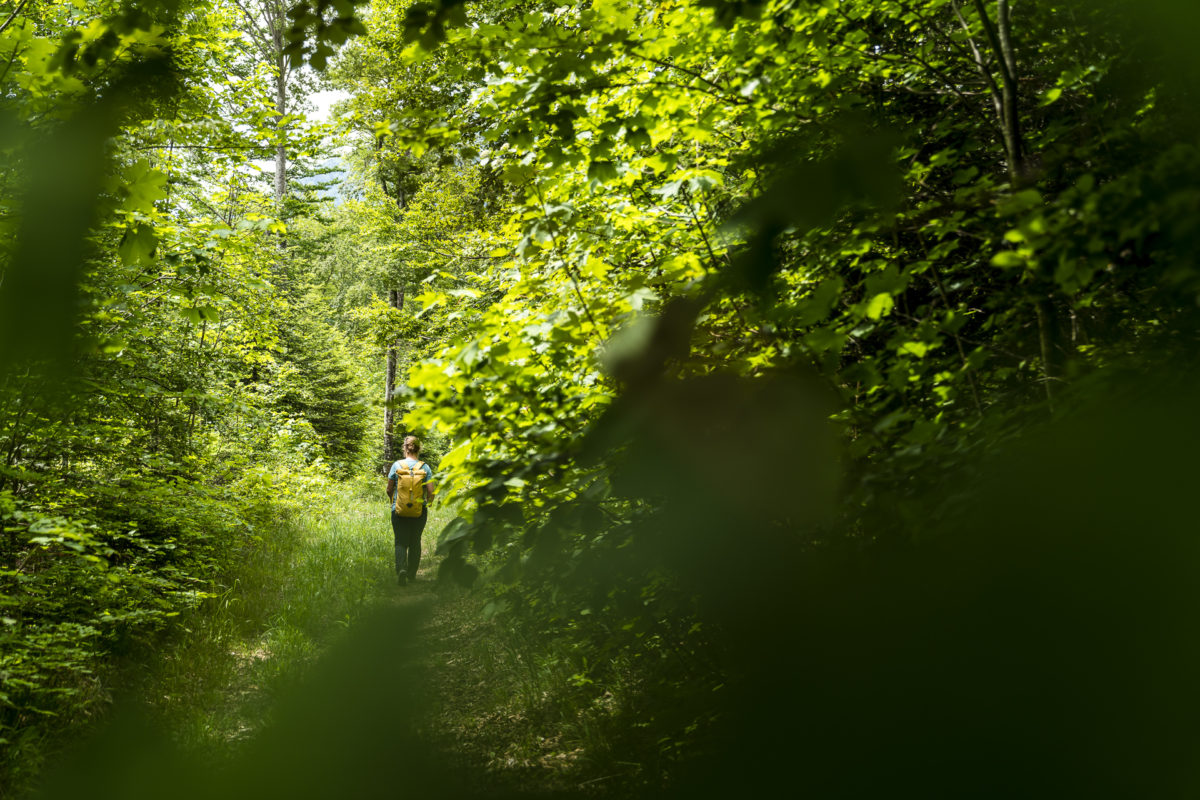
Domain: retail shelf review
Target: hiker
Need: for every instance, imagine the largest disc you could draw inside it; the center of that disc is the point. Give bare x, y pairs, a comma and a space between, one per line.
410, 488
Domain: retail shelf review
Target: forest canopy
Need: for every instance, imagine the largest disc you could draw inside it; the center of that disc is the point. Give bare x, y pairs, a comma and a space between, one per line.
766, 351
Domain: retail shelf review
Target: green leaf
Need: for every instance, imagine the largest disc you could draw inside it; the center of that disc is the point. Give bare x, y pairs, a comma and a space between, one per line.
1008, 259
880, 305
602, 171
138, 244
1019, 203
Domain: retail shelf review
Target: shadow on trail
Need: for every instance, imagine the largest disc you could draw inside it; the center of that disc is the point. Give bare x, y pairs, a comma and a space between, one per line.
350, 730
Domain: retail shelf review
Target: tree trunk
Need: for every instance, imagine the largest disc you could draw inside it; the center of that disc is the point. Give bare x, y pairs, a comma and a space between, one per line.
280, 109
999, 38
265, 23
396, 299
1050, 342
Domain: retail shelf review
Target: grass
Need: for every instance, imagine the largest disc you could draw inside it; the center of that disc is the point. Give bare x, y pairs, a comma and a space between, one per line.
508, 710
290, 598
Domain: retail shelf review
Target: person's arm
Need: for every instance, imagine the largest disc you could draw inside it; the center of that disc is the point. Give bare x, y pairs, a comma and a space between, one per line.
391, 487
428, 484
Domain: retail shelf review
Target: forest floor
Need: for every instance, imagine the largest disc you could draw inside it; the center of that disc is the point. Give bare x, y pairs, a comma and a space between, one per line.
491, 708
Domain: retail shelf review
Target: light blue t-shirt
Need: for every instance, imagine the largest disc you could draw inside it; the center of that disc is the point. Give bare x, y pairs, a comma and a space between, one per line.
411, 462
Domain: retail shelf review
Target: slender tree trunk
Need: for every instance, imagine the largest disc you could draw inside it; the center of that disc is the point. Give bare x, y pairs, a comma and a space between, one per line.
1006, 100
1050, 334
396, 299
1012, 121
1004, 94
389, 453
1050, 341
265, 23
280, 113
999, 37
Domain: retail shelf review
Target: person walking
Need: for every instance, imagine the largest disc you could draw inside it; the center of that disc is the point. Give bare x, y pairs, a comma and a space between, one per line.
410, 489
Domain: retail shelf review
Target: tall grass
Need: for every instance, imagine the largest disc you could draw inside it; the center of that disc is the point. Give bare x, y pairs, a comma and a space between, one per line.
289, 597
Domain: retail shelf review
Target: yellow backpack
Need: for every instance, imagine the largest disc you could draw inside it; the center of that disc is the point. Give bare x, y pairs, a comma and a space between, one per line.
409, 499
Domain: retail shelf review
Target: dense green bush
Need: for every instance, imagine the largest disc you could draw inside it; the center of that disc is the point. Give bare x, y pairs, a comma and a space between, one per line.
102, 574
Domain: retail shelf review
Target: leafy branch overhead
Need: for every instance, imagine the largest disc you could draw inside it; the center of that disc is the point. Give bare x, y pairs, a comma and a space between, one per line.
319, 28
889, 194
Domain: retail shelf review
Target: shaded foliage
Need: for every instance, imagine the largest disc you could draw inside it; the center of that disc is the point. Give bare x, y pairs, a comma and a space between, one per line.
953, 215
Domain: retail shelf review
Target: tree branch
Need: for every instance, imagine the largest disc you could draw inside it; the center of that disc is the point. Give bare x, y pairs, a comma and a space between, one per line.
981, 63
1001, 45
13, 15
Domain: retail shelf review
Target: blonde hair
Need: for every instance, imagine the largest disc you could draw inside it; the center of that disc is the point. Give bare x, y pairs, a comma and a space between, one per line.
412, 445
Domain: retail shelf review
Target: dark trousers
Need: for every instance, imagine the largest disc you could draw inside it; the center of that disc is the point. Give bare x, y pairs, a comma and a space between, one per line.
407, 531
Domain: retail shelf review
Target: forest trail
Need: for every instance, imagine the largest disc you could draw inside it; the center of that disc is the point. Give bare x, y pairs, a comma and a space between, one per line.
319, 669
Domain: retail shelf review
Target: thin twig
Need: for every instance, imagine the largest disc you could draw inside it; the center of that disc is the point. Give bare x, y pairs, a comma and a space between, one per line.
567, 266
981, 63
13, 15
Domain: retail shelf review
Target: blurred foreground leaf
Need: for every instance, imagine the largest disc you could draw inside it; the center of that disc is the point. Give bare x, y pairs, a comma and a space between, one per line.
63, 174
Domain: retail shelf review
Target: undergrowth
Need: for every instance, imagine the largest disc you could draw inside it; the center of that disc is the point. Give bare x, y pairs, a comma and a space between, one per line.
522, 709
